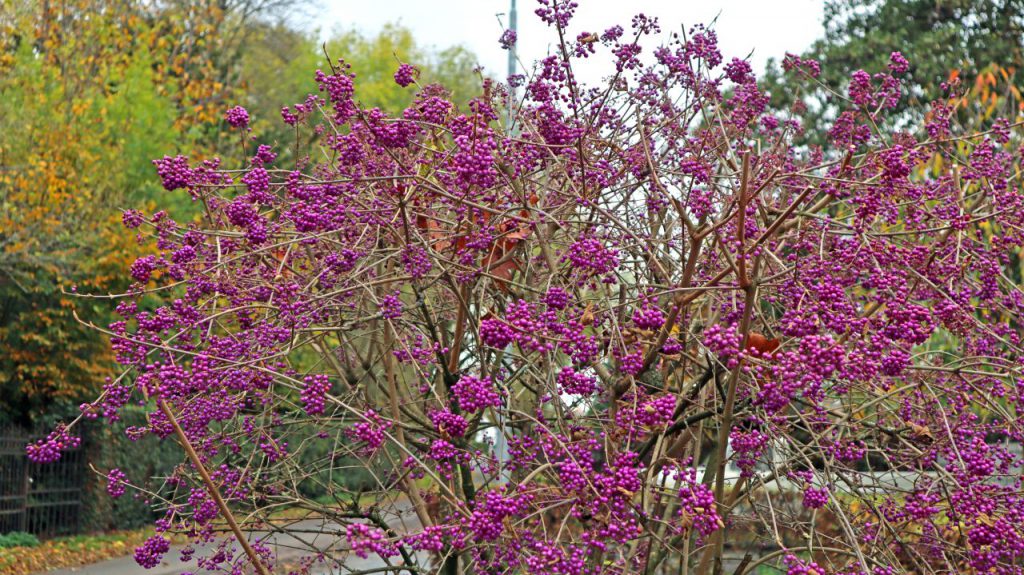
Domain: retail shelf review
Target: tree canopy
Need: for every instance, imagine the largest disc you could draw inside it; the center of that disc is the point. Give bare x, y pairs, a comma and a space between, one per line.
91, 91
939, 38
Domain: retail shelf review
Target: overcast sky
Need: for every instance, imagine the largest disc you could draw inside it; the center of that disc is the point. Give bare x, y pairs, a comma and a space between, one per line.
767, 28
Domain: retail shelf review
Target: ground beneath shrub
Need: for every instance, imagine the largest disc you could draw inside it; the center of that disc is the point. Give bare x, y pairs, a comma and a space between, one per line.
290, 545
70, 551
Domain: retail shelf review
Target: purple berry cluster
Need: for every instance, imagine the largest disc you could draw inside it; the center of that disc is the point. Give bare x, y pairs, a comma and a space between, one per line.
474, 393
116, 482
371, 431
697, 506
314, 392
152, 551
363, 540
405, 75
391, 306
508, 39
449, 424
815, 498
174, 172
237, 117
50, 449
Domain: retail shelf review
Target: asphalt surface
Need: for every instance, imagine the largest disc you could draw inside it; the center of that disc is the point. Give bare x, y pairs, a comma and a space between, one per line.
301, 539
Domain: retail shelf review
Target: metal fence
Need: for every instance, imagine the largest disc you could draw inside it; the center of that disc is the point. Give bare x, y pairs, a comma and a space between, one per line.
42, 499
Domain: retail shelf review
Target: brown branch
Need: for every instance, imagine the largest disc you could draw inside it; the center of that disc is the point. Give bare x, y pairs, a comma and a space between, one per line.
212, 488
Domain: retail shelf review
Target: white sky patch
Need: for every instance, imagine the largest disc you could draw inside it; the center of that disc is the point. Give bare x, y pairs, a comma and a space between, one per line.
759, 28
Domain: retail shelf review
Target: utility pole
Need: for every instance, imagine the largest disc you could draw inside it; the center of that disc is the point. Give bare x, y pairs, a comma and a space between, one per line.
500, 442
512, 25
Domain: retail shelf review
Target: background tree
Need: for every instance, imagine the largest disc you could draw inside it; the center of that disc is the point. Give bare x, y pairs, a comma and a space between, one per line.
936, 36
275, 69
90, 92
81, 115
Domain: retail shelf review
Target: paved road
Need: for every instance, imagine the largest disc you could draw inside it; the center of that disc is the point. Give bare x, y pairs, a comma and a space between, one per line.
301, 539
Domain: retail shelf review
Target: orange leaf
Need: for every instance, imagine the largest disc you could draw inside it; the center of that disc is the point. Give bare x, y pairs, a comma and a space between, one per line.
762, 344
